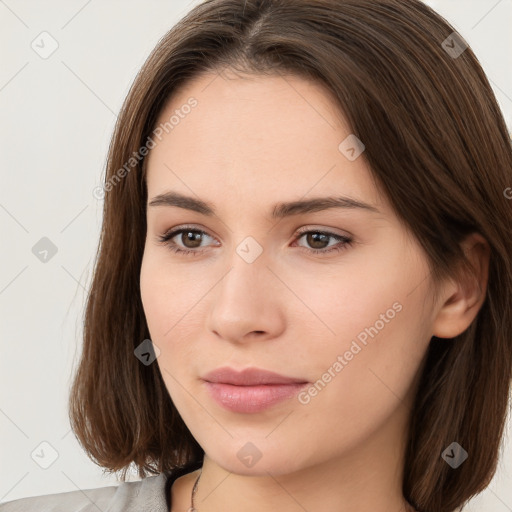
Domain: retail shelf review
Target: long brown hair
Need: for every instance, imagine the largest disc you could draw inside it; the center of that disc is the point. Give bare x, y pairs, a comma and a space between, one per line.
437, 144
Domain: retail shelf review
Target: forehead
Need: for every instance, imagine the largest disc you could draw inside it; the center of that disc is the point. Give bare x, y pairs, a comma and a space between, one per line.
272, 137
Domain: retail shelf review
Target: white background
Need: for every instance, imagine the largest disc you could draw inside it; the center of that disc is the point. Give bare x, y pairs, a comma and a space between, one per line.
57, 118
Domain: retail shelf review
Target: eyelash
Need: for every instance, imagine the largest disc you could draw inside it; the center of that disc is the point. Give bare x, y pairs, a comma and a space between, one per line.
166, 240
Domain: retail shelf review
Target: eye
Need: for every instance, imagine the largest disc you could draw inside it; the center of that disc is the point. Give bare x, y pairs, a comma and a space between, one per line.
317, 239
189, 235
191, 239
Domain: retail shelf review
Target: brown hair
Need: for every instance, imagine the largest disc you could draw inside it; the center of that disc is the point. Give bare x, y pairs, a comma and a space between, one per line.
437, 144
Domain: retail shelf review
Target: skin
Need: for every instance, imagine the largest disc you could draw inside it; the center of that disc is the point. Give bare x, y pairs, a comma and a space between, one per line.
250, 142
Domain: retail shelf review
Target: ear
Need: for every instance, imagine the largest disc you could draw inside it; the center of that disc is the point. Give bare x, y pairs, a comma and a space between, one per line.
463, 296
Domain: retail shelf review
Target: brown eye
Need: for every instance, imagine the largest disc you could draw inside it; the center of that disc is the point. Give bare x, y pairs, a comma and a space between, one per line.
191, 239
319, 241
188, 240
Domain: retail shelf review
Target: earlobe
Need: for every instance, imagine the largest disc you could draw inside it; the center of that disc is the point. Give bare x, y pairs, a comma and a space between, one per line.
464, 296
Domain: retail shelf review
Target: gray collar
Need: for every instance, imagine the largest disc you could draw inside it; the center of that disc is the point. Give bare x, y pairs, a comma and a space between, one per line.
146, 495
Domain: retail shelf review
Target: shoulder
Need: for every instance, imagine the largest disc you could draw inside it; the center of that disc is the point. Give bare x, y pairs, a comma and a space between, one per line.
126, 497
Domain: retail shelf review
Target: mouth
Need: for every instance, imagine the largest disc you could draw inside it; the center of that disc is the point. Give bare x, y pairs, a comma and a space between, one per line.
251, 390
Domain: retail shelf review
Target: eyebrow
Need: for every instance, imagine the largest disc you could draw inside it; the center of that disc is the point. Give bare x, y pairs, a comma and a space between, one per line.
279, 210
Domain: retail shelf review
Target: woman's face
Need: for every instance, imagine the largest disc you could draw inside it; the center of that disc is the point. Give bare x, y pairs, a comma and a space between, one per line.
352, 324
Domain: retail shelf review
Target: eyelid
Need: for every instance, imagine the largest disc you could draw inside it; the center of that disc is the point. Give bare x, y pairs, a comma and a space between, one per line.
323, 230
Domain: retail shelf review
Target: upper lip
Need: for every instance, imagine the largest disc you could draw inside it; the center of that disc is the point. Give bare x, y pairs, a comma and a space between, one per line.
249, 377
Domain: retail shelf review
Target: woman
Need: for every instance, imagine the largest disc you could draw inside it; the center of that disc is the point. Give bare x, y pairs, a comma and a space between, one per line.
301, 298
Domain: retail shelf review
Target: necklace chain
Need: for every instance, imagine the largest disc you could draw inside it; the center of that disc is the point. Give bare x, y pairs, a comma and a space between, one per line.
194, 489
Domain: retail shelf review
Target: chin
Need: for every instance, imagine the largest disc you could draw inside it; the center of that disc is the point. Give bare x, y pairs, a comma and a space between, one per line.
258, 458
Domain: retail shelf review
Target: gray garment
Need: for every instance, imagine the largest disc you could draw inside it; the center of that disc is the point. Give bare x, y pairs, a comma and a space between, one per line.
146, 495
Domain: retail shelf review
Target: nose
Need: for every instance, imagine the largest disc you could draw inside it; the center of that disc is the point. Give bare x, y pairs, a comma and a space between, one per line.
247, 303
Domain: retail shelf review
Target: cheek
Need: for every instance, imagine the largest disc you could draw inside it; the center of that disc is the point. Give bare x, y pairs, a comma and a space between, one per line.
377, 336
172, 308
359, 388
166, 293
360, 298
163, 311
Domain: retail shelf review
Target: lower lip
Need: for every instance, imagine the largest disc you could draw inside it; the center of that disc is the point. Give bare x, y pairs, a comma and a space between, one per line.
249, 399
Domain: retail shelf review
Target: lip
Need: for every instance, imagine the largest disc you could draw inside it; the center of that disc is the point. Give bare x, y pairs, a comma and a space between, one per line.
251, 390
249, 377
